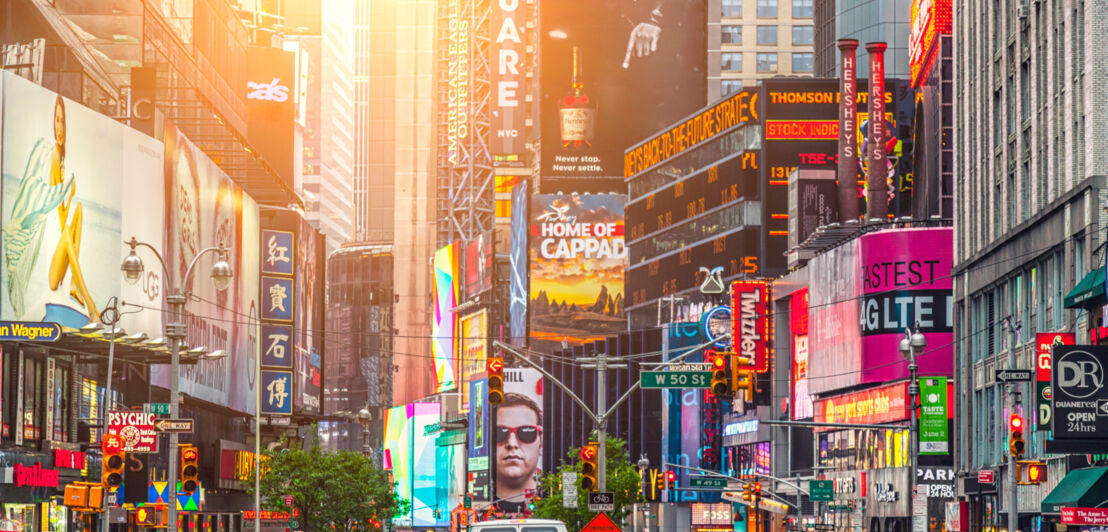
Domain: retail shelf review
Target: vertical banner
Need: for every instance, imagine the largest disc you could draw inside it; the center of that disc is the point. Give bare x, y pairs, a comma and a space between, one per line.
1044, 344
444, 327
933, 433
518, 438
48, 426
798, 318
278, 291
506, 133
17, 423
848, 115
877, 206
750, 311
479, 445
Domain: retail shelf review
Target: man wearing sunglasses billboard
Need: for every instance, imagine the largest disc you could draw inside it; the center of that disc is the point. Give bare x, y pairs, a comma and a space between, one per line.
518, 449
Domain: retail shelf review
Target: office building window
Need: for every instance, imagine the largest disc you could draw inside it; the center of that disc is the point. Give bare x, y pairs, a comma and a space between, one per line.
731, 61
802, 8
732, 8
731, 86
732, 35
767, 62
802, 35
767, 34
802, 62
767, 8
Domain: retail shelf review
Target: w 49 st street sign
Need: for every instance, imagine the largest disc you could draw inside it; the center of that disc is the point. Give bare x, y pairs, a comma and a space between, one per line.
675, 379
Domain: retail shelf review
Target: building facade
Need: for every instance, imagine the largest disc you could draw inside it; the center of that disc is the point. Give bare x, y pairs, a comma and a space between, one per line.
750, 40
887, 21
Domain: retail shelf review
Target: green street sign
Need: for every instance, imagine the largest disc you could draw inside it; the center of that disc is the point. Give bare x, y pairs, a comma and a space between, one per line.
675, 379
707, 482
821, 490
467, 502
156, 408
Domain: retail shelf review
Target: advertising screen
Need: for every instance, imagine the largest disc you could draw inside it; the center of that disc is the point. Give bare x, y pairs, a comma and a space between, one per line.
930, 19
411, 453
480, 434
474, 344
519, 283
577, 262
683, 436
308, 321
506, 60
444, 326
613, 73
478, 270
751, 320
834, 356
271, 107
519, 438
798, 325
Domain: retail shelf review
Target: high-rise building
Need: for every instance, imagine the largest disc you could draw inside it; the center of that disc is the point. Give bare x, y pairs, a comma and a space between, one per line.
1029, 200
749, 40
884, 21
329, 188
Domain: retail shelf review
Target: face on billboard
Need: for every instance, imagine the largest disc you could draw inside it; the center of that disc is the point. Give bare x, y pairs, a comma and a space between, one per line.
613, 73
518, 437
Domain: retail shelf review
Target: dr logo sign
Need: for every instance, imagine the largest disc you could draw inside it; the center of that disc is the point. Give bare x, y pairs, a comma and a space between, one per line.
1080, 400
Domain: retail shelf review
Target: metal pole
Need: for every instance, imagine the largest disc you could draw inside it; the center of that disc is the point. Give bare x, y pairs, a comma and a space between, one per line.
1013, 404
176, 332
913, 393
257, 442
602, 419
106, 404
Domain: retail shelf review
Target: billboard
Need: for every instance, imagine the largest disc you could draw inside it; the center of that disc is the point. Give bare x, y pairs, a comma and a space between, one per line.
480, 443
204, 208
308, 318
800, 399
930, 19
506, 59
271, 107
473, 349
1044, 343
410, 452
518, 289
577, 258
689, 421
443, 328
519, 438
614, 73
751, 322
478, 260
835, 341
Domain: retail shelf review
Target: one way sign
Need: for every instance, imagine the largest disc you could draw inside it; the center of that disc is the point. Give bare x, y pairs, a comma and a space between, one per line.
1013, 375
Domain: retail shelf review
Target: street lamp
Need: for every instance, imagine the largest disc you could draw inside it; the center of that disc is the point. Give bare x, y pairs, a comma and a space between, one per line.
912, 345
644, 464
176, 330
364, 417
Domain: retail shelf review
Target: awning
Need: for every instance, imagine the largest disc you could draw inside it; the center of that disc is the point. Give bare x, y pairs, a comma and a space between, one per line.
1089, 292
1081, 488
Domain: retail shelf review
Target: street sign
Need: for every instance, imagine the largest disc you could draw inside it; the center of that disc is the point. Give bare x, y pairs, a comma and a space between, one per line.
494, 365
569, 489
986, 476
156, 408
288, 500
1079, 398
137, 430
602, 501
821, 490
1013, 375
29, 331
707, 482
601, 523
173, 425
467, 502
675, 379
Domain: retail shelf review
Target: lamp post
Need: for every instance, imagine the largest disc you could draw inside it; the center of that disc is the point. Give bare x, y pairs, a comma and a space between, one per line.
911, 346
364, 417
176, 330
644, 464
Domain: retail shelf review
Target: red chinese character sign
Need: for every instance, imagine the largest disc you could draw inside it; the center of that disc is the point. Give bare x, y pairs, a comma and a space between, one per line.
750, 314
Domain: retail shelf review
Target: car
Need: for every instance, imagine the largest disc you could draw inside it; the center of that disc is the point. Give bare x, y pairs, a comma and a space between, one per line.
519, 525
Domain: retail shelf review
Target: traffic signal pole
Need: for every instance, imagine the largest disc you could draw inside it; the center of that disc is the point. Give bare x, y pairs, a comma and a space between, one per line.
1013, 400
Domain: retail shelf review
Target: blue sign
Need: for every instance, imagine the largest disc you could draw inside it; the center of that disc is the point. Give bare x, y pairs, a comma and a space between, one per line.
715, 323
276, 392
277, 252
277, 345
29, 331
277, 298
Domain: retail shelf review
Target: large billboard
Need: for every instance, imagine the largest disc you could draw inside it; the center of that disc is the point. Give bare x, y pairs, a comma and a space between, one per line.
444, 326
930, 19
473, 349
478, 265
411, 454
518, 432
204, 208
577, 262
480, 439
507, 54
835, 341
613, 73
518, 289
271, 107
799, 399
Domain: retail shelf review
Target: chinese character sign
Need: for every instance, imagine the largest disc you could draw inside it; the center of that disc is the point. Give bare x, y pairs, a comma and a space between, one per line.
277, 345
276, 392
277, 298
277, 252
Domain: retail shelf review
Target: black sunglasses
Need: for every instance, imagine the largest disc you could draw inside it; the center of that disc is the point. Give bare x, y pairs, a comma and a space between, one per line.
524, 433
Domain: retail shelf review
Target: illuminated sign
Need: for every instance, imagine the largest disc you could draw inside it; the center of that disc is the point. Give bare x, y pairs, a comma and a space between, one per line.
507, 119
69, 459
715, 323
930, 19
738, 109
741, 427
750, 311
272, 91
458, 73
878, 405
802, 129
681, 270
34, 476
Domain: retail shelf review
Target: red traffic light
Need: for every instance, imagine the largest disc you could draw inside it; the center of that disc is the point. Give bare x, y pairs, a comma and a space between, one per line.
719, 362
1036, 473
1015, 422
190, 454
671, 476
112, 443
588, 453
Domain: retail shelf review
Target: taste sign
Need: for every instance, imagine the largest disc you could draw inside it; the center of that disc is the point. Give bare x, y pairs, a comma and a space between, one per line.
136, 429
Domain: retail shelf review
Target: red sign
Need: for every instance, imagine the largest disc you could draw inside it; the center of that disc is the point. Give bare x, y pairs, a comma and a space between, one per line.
877, 405
137, 430
601, 523
588, 452
69, 459
986, 476
1043, 343
288, 500
802, 129
930, 19
248, 515
1084, 516
35, 476
495, 365
750, 322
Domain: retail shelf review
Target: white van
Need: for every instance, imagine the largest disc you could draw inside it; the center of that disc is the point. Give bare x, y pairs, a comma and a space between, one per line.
518, 525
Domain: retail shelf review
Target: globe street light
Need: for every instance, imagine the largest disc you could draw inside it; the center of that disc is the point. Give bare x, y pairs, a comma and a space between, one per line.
644, 464
364, 417
911, 346
176, 330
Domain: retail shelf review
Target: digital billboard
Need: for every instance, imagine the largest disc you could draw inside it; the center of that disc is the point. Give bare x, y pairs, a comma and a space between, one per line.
473, 343
410, 452
478, 265
480, 438
613, 73
444, 326
686, 419
800, 399
577, 258
835, 340
507, 55
308, 321
519, 438
751, 317
269, 92
930, 19
519, 283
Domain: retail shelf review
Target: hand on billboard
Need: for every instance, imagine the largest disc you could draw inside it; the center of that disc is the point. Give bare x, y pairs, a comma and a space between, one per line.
642, 42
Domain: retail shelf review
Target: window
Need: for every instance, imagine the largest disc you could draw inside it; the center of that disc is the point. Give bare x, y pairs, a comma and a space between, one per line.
732, 8
730, 86
802, 35
767, 62
767, 34
767, 8
61, 403
90, 404
731, 60
802, 62
732, 35
802, 8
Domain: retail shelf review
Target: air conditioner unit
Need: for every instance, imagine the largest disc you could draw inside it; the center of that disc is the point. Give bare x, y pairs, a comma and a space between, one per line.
1021, 12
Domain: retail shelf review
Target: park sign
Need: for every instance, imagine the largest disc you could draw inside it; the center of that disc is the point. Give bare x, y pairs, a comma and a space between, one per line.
1079, 400
29, 331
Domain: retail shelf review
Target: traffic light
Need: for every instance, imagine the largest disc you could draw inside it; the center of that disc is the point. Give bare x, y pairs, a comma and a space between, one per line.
748, 492
111, 475
190, 468
671, 480
495, 367
1015, 436
661, 482
721, 382
588, 467
757, 488
146, 516
742, 379
1036, 472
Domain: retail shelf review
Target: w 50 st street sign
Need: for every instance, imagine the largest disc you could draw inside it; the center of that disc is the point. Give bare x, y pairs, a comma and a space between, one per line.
675, 379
